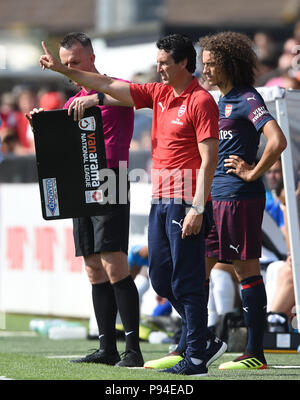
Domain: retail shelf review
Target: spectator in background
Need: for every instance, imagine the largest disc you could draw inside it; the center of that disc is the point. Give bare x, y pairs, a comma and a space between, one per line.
26, 101
267, 51
7, 111
150, 75
274, 233
265, 45
8, 130
273, 176
141, 139
137, 259
16, 133
8, 126
52, 100
286, 75
279, 281
280, 306
140, 77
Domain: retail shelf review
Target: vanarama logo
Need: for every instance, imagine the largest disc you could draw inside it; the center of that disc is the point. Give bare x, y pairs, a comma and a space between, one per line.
87, 124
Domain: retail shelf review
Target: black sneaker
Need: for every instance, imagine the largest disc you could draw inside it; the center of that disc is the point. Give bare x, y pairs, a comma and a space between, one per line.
99, 357
131, 358
186, 367
216, 348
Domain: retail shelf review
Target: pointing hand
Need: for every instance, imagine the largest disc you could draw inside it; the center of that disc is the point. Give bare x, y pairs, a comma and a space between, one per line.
48, 61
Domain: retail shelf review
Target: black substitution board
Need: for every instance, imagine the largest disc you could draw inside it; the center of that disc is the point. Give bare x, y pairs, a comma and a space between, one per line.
70, 155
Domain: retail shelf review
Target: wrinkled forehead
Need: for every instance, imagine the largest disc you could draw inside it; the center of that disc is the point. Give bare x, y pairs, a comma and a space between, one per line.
163, 56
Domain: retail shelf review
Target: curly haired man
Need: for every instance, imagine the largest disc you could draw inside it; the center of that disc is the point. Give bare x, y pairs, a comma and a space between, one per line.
238, 193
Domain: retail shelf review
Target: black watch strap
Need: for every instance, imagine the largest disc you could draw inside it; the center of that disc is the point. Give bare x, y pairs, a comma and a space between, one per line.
100, 98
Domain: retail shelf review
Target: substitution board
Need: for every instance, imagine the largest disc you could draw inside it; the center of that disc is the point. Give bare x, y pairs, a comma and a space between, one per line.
70, 155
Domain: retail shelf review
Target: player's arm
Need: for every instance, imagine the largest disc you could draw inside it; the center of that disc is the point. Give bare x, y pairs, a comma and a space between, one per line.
78, 106
208, 150
276, 143
101, 83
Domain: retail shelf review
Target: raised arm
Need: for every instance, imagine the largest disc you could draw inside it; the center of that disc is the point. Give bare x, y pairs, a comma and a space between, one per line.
117, 89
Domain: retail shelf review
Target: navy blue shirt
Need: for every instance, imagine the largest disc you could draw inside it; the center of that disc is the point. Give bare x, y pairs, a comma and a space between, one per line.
243, 114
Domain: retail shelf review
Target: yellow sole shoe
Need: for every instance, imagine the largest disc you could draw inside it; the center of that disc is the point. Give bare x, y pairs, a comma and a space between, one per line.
165, 362
244, 363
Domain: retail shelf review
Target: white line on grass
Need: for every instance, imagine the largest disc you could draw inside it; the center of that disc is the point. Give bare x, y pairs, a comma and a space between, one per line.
17, 333
4, 378
285, 366
67, 356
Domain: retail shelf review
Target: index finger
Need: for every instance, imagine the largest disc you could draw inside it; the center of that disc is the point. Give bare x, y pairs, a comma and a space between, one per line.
70, 108
45, 48
184, 233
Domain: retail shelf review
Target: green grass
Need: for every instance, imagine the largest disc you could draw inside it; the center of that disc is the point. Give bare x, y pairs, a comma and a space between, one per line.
34, 358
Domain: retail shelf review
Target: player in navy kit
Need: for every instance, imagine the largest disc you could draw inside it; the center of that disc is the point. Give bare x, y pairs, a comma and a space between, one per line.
238, 192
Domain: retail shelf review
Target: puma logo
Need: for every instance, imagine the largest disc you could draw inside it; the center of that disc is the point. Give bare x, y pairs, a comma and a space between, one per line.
177, 223
162, 107
251, 98
235, 248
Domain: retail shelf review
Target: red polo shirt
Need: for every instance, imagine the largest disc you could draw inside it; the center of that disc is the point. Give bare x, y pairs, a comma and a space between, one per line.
179, 124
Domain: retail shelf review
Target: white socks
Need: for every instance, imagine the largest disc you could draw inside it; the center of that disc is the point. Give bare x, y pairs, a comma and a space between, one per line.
221, 295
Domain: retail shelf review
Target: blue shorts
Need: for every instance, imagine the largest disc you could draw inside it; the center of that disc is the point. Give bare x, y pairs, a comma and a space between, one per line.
236, 233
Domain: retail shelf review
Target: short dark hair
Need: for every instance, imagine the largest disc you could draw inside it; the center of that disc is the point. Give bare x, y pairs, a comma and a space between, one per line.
180, 47
73, 37
234, 53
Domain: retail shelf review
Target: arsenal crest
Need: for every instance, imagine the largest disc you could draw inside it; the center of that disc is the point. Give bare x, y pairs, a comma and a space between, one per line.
181, 110
228, 110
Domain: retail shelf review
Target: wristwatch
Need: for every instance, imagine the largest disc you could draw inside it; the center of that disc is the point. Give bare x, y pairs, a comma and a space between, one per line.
199, 209
100, 98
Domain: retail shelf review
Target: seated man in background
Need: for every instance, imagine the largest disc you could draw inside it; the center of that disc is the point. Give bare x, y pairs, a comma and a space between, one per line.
279, 282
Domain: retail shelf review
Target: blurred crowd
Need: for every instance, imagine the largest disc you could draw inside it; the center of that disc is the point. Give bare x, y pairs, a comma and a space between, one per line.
15, 130
278, 65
